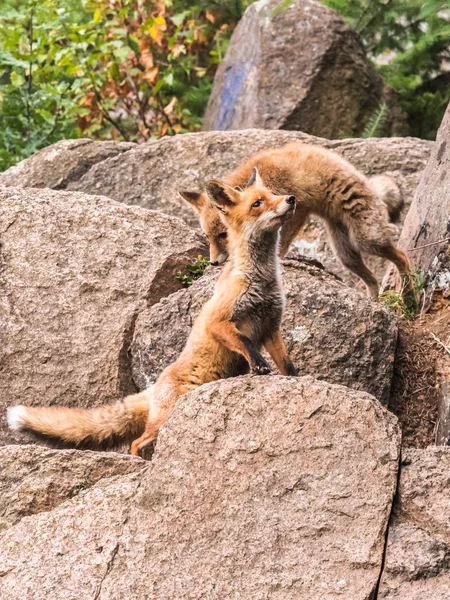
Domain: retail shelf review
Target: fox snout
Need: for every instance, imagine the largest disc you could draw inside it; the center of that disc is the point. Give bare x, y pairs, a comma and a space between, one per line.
219, 258
287, 205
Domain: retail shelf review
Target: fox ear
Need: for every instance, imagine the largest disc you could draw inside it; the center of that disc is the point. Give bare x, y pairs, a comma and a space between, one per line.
193, 198
221, 194
255, 178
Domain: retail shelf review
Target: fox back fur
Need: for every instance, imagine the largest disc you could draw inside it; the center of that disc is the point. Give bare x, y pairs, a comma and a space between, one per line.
358, 210
243, 315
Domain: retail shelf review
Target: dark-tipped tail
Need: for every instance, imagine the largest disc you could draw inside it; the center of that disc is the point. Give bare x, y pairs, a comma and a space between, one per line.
386, 188
97, 428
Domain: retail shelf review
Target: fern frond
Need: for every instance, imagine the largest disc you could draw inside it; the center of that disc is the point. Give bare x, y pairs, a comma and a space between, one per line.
376, 122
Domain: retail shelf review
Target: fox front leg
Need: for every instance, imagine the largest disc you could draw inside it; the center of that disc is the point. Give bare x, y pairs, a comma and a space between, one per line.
229, 335
276, 347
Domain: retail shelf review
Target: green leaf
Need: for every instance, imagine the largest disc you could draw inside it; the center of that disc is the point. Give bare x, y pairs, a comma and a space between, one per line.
16, 79
178, 19
169, 79
431, 8
158, 85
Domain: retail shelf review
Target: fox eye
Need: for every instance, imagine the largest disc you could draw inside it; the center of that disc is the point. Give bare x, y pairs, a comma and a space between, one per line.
222, 235
256, 204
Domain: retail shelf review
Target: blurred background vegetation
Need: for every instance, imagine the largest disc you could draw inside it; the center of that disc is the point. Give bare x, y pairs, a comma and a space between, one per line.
139, 69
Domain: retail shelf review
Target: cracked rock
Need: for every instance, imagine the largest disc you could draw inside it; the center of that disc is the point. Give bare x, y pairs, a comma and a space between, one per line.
62, 163
417, 565
34, 479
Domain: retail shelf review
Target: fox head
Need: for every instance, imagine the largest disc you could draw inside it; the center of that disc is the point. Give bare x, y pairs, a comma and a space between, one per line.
254, 209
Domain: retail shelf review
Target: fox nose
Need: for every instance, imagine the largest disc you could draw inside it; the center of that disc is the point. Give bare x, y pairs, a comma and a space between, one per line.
214, 263
290, 199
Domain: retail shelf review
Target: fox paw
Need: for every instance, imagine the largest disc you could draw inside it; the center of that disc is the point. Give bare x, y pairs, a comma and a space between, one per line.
261, 368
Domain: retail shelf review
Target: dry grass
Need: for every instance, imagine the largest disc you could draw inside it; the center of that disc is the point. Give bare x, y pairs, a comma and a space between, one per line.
414, 396
422, 360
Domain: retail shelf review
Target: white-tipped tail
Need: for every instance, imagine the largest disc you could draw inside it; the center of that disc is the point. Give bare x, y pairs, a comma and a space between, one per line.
16, 417
101, 427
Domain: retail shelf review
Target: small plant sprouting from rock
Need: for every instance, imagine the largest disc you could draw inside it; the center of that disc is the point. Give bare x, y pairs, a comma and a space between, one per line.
404, 305
195, 271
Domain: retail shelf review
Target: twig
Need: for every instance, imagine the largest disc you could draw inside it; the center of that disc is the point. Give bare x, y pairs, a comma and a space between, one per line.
436, 339
30, 75
427, 245
105, 112
161, 108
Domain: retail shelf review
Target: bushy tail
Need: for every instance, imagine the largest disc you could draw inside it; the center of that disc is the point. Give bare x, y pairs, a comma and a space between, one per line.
386, 188
97, 428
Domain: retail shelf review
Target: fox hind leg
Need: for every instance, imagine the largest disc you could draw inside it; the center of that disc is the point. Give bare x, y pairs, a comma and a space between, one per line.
162, 402
351, 258
389, 251
150, 434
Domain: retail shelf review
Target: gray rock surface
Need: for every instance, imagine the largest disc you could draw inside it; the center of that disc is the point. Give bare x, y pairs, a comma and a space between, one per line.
151, 174
425, 234
260, 487
331, 331
74, 271
298, 66
59, 164
34, 479
417, 565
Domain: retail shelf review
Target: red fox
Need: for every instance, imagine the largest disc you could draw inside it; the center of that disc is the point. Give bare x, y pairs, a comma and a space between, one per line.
358, 211
243, 315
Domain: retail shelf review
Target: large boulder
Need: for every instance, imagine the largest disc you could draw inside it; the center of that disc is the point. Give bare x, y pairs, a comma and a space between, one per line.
34, 479
260, 487
331, 331
150, 174
426, 239
298, 65
418, 552
425, 234
75, 269
59, 164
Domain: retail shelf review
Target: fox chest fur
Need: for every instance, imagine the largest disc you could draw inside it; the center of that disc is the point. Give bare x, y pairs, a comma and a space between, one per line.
259, 308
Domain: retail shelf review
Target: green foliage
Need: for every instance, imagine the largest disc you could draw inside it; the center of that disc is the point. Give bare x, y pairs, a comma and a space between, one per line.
376, 122
195, 271
35, 104
140, 69
409, 41
405, 305
121, 69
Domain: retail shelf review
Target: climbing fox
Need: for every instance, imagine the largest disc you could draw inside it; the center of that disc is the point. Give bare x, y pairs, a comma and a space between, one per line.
243, 315
358, 211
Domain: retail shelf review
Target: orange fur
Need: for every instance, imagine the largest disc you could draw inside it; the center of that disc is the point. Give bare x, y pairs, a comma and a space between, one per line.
243, 315
356, 209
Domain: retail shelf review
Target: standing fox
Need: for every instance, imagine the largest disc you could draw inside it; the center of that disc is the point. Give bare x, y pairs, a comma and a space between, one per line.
358, 211
243, 315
